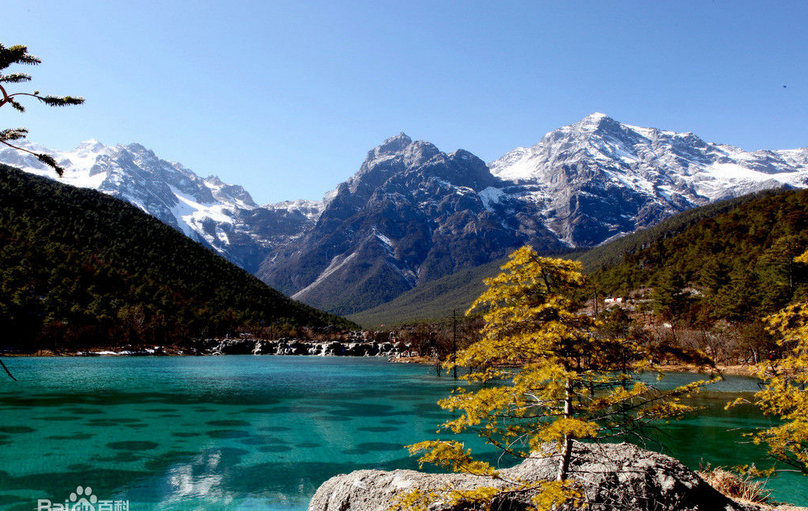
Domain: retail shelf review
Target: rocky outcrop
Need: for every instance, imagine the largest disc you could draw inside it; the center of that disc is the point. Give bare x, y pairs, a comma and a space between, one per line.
613, 477
288, 346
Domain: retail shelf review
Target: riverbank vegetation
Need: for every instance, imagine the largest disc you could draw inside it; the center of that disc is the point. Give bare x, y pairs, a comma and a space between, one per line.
567, 381
784, 394
702, 280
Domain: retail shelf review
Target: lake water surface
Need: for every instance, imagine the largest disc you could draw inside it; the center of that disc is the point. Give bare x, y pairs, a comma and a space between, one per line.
245, 432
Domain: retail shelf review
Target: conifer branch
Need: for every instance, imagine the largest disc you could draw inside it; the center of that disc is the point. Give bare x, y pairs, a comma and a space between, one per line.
44, 158
15, 78
7, 371
19, 55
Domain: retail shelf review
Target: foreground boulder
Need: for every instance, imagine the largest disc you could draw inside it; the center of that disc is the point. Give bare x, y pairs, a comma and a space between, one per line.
614, 477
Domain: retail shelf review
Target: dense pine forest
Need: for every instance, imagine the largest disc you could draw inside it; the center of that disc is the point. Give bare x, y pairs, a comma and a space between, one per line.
712, 283
703, 279
80, 269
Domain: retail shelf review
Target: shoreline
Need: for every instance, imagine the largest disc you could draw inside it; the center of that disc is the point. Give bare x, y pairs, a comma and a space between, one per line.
724, 369
243, 346
394, 358
727, 370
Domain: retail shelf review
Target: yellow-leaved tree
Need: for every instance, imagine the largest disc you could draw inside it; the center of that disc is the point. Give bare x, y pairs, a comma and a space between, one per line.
785, 394
548, 380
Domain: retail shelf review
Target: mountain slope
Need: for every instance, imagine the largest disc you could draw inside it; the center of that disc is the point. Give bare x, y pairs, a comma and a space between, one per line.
741, 261
80, 268
411, 214
431, 301
221, 216
598, 178
437, 299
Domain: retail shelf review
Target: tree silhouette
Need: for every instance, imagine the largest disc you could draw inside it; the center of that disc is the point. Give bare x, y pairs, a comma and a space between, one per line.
18, 54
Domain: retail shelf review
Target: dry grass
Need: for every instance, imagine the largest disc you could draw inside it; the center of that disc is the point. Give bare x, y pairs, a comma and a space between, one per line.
735, 370
738, 487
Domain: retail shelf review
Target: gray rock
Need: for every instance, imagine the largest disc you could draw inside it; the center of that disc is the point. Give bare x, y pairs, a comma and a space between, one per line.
614, 477
413, 214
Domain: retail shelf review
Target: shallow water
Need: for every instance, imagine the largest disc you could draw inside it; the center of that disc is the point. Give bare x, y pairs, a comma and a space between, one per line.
257, 432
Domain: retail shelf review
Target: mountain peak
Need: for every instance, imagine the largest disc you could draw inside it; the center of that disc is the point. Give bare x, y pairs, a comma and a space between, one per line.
90, 145
597, 116
394, 144
595, 121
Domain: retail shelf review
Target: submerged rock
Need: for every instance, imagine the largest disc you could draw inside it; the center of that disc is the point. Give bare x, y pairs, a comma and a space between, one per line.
614, 477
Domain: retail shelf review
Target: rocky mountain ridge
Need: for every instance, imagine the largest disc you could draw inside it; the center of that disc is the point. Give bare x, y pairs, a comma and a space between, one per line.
599, 178
413, 213
221, 216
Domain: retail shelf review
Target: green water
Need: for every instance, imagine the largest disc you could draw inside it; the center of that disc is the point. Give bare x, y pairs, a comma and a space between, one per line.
257, 432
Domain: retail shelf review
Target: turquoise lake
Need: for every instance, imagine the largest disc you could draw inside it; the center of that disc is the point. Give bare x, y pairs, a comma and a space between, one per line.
246, 432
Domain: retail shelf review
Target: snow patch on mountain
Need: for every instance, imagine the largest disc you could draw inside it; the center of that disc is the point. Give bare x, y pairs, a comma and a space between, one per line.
491, 196
386, 242
337, 263
208, 210
308, 208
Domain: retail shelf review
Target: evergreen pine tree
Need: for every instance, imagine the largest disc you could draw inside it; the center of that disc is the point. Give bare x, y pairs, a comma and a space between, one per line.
18, 54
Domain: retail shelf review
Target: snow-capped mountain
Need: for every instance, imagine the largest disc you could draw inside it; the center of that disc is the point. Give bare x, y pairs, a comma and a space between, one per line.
598, 178
219, 215
413, 213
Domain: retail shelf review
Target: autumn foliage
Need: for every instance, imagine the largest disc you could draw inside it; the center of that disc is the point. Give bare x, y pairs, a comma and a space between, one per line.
544, 377
785, 394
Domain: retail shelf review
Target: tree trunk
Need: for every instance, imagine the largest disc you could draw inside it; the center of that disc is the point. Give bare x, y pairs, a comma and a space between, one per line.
566, 450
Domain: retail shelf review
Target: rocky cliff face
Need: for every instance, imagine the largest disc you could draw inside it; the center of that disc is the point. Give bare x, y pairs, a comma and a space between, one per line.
613, 477
411, 214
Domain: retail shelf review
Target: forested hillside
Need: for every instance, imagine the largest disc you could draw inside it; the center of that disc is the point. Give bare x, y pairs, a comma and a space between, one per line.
79, 268
613, 252
437, 299
734, 267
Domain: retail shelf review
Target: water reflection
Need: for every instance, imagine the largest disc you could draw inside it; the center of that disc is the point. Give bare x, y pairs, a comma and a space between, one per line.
256, 432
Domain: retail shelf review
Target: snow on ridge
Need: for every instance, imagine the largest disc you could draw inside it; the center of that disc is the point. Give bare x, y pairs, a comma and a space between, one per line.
654, 149
77, 164
337, 262
191, 217
310, 209
491, 196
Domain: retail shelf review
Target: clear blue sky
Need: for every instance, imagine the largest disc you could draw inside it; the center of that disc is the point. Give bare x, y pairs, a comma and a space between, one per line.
286, 97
